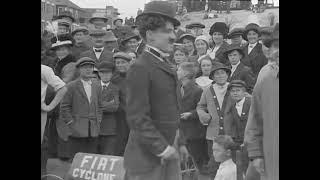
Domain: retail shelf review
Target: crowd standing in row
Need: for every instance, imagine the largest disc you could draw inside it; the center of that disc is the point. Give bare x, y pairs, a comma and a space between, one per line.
185, 94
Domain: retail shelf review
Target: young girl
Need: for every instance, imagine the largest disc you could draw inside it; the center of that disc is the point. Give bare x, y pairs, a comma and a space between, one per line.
205, 68
202, 46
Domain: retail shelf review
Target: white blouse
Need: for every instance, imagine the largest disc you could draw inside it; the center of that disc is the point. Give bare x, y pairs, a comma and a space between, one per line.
203, 81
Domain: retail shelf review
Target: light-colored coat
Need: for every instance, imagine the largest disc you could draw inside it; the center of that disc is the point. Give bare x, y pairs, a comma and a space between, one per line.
262, 130
207, 111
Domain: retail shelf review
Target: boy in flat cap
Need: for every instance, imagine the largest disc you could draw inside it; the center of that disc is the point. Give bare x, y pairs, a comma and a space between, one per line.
239, 71
153, 96
80, 36
81, 113
211, 109
254, 56
98, 52
110, 103
235, 35
236, 117
130, 42
111, 42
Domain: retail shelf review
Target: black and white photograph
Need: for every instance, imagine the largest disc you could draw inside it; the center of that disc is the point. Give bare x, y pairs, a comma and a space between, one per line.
159, 89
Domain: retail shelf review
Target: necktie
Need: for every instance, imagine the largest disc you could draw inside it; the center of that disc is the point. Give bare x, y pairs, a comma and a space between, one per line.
104, 87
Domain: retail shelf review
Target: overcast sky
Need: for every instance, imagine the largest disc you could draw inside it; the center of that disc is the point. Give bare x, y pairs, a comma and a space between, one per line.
126, 8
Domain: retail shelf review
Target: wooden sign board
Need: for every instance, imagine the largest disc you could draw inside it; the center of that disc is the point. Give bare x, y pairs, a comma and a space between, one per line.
96, 167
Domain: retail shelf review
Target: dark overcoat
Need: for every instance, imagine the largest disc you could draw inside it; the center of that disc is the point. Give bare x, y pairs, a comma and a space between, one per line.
255, 60
191, 127
110, 102
245, 74
153, 96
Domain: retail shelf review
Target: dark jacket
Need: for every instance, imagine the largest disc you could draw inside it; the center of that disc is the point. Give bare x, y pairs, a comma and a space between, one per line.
191, 127
220, 57
235, 124
110, 104
245, 74
77, 49
105, 55
255, 60
153, 96
75, 108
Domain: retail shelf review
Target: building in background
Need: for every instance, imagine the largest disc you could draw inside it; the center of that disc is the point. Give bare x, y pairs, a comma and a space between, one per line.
109, 12
66, 5
48, 11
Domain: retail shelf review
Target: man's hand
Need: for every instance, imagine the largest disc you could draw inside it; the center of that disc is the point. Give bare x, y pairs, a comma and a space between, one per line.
185, 115
183, 153
171, 154
259, 165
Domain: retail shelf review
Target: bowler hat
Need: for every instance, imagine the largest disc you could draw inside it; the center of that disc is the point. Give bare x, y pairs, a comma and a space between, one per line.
106, 66
128, 36
98, 17
110, 37
274, 36
251, 27
233, 47
63, 40
66, 14
162, 8
122, 55
235, 32
98, 32
85, 60
218, 66
237, 83
186, 36
219, 27
193, 25
80, 29
114, 22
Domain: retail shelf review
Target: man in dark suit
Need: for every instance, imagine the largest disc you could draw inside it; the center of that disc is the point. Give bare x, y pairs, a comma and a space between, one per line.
194, 132
153, 96
110, 103
80, 113
253, 54
98, 52
239, 71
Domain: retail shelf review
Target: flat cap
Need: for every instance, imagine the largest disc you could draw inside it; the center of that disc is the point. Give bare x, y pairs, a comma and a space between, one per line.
98, 32
85, 60
186, 35
106, 66
235, 32
193, 25
122, 55
80, 29
237, 83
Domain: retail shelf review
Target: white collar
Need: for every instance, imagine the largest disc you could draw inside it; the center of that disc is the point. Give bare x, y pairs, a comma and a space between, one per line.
226, 163
162, 54
253, 45
240, 103
235, 66
104, 84
86, 82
